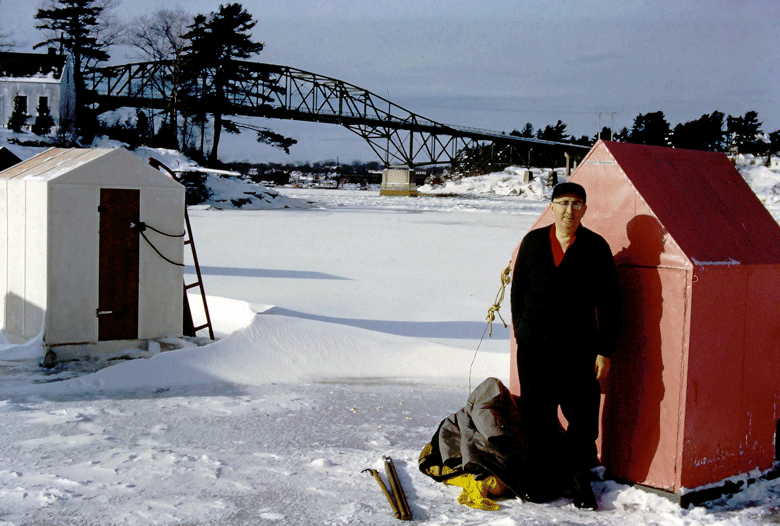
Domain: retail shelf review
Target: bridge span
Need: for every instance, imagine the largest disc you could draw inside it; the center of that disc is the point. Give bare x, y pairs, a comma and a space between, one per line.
396, 135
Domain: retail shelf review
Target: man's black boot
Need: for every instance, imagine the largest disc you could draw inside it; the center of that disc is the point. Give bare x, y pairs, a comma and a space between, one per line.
540, 490
582, 492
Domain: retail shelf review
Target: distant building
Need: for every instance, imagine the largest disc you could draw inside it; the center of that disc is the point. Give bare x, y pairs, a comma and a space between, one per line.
41, 79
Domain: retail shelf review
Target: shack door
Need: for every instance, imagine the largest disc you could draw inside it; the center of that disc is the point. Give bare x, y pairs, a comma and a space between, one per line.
118, 266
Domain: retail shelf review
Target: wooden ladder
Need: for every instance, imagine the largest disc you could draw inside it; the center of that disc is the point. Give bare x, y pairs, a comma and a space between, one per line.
189, 325
189, 328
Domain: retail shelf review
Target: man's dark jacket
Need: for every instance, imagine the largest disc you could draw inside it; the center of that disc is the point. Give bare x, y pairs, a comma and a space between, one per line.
576, 303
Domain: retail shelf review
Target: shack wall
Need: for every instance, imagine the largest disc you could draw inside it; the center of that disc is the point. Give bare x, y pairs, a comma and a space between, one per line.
734, 373
161, 283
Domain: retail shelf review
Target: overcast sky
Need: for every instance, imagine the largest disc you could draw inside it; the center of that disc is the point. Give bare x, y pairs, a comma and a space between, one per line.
498, 64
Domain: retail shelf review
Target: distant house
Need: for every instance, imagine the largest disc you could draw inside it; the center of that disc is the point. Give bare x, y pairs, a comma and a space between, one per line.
41, 79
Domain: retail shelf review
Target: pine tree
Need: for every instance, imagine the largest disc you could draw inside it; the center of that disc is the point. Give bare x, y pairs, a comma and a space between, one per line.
623, 135
19, 114
744, 133
78, 27
217, 43
527, 131
556, 132
605, 134
43, 120
650, 128
705, 133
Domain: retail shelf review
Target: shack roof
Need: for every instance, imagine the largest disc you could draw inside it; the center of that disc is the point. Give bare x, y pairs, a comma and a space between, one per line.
703, 203
31, 65
121, 168
52, 163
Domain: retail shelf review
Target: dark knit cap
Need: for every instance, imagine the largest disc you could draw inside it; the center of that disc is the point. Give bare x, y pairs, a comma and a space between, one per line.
568, 189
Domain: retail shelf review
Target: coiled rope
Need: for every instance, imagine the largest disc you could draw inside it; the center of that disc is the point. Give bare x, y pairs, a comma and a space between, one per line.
495, 309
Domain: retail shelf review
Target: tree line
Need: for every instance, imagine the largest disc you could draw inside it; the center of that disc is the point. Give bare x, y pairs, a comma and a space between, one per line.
713, 132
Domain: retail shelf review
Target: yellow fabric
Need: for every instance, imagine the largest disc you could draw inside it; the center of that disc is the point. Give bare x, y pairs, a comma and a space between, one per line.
428, 466
476, 492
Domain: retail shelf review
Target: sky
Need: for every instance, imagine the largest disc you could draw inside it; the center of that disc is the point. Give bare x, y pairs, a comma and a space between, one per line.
498, 64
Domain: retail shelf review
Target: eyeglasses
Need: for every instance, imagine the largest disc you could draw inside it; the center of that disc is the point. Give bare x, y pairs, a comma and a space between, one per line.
575, 205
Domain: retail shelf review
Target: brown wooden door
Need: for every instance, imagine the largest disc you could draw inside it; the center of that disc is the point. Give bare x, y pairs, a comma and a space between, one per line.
118, 288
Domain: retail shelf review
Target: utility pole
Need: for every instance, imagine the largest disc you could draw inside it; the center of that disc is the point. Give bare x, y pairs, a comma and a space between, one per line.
611, 125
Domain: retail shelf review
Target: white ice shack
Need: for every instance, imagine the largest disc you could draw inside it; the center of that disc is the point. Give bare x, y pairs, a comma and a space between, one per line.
73, 260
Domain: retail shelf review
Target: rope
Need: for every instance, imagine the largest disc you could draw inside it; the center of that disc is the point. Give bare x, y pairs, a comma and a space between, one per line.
160, 253
140, 226
506, 278
163, 233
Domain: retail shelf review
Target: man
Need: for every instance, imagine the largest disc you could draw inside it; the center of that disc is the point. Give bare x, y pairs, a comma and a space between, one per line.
565, 313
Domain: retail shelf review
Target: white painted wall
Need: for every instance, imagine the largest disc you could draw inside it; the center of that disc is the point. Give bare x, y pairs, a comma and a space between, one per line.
3, 247
160, 288
17, 259
36, 276
33, 89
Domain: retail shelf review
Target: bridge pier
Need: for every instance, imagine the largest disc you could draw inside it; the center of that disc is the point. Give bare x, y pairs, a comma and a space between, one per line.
396, 181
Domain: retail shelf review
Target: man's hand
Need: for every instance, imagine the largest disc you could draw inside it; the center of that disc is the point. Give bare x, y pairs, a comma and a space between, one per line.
602, 367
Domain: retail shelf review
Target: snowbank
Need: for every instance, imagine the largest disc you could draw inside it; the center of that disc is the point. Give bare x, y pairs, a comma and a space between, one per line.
508, 182
279, 349
226, 192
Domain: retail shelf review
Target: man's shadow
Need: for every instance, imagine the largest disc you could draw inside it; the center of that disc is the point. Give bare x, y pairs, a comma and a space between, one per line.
632, 406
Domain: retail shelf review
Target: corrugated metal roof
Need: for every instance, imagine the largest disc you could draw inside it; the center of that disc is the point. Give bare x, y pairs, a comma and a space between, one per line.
703, 202
53, 162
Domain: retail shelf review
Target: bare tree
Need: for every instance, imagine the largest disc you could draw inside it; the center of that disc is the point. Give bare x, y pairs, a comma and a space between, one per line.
160, 38
6, 42
109, 30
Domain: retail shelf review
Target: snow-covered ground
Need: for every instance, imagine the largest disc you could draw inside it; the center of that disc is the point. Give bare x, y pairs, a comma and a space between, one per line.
347, 329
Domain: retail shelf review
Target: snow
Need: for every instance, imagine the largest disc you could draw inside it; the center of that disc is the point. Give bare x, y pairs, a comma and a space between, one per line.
508, 182
226, 192
346, 331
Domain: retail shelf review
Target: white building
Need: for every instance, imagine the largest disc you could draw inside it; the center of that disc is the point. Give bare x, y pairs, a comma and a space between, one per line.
83, 255
40, 79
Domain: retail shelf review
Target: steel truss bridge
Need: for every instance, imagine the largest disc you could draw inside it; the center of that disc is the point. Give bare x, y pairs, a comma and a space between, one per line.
396, 135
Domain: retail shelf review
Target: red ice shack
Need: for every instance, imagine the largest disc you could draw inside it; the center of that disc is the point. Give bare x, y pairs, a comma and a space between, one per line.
694, 392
